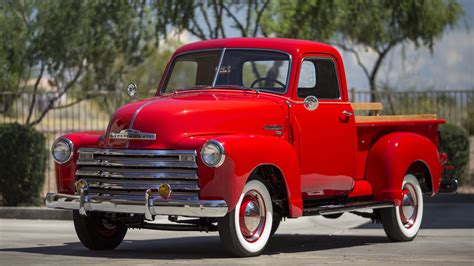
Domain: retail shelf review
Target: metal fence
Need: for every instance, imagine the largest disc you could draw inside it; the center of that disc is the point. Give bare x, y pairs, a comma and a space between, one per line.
91, 112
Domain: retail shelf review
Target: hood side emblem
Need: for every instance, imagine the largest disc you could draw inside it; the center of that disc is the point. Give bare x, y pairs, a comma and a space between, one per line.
132, 134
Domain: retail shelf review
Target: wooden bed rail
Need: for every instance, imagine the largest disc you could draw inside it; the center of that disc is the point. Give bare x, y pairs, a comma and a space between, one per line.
377, 107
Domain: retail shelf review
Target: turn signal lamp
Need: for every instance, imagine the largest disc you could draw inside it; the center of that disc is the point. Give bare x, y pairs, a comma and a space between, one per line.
164, 190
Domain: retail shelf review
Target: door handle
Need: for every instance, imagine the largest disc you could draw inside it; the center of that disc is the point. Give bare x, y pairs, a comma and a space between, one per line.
347, 113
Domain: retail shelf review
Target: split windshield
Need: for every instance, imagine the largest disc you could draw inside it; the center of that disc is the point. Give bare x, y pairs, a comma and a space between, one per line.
238, 69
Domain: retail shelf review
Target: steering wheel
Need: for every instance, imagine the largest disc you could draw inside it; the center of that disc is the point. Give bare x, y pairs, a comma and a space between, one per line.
270, 79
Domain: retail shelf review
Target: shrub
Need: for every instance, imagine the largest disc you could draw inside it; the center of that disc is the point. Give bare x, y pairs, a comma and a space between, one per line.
22, 164
454, 141
470, 123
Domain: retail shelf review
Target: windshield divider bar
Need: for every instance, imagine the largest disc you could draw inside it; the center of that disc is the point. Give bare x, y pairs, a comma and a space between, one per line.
218, 68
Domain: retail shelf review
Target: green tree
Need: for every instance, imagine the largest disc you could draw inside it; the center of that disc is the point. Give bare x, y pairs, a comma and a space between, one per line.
303, 19
84, 45
374, 25
380, 26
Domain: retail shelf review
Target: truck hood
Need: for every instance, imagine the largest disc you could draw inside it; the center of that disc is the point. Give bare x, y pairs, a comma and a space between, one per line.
186, 115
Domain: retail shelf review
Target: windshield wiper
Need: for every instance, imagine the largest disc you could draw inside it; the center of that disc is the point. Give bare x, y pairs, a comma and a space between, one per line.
197, 87
227, 86
236, 87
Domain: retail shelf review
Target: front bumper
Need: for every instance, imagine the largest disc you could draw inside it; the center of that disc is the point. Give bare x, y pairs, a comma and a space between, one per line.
150, 207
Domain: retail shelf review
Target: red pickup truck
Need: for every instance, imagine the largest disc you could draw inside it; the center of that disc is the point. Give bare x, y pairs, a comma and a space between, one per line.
240, 134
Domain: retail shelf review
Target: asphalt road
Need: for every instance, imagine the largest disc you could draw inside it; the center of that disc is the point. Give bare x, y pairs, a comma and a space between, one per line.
446, 238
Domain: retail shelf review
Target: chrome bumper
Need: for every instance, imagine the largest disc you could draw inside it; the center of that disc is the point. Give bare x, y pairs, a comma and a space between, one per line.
150, 207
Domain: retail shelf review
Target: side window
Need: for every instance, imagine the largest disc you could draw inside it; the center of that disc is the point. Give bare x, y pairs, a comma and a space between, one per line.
318, 78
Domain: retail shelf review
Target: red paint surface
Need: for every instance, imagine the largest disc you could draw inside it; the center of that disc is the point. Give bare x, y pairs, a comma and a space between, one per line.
320, 153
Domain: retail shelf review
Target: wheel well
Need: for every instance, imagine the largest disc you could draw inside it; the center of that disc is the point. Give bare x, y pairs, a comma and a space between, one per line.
421, 171
274, 180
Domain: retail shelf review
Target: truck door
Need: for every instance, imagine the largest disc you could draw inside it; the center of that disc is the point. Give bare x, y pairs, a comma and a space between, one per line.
327, 134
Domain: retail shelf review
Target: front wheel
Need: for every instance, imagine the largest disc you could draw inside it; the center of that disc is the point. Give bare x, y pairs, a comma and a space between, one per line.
402, 223
245, 230
96, 232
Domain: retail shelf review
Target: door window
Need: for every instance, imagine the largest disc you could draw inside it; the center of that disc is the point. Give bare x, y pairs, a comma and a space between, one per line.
318, 77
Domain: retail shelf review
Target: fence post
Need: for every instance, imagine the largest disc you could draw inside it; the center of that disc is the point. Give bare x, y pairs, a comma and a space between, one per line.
353, 94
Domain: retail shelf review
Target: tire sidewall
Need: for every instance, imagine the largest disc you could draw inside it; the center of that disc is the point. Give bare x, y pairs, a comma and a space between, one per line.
411, 232
257, 246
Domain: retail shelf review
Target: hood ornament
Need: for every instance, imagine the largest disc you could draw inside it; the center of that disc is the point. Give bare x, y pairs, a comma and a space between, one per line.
132, 134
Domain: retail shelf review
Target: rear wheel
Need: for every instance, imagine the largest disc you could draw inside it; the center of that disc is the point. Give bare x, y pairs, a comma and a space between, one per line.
96, 232
245, 231
402, 223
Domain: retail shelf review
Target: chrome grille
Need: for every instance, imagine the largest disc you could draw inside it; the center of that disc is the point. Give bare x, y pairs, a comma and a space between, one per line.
116, 174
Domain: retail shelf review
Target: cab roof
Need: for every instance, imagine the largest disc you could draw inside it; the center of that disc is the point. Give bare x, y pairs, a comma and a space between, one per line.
292, 46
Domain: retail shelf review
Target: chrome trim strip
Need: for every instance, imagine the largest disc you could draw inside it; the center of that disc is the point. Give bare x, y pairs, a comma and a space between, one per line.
133, 185
218, 68
130, 126
380, 206
158, 206
272, 127
137, 174
125, 152
137, 163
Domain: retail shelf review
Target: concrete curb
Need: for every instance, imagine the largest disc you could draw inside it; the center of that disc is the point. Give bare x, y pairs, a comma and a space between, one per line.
43, 213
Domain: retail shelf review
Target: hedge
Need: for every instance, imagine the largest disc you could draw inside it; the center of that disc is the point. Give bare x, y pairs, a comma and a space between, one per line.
454, 141
22, 165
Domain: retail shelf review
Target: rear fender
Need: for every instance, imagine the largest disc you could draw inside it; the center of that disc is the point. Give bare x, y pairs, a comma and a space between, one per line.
391, 156
244, 153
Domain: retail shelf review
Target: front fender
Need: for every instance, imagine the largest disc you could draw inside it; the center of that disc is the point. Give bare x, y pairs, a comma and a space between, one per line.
391, 156
244, 153
65, 173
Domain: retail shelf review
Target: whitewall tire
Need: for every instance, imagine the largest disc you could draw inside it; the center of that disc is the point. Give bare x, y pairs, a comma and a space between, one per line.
245, 231
403, 222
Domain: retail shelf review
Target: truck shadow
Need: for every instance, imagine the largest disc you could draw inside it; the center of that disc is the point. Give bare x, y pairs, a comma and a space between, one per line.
205, 247
442, 216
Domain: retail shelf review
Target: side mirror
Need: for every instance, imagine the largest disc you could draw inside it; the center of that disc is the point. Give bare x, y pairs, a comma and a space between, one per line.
311, 103
132, 90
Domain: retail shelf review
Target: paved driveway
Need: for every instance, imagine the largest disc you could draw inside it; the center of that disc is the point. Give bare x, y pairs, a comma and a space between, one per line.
447, 238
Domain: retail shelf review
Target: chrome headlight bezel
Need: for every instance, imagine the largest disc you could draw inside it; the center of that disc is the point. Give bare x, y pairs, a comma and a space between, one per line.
67, 143
216, 145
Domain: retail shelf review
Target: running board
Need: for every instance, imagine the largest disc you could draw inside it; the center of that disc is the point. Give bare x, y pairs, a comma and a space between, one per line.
354, 206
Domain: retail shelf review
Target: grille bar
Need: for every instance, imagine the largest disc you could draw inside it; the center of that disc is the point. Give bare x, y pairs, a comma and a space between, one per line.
142, 153
132, 162
116, 173
137, 174
139, 184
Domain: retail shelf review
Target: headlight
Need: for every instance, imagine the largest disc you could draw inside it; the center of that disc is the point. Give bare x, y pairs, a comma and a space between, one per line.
62, 150
213, 154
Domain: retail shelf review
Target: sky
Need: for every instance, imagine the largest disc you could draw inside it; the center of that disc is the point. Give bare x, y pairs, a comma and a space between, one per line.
449, 67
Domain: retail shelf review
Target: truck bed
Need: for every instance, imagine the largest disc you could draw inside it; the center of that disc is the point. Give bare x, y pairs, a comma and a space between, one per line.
371, 127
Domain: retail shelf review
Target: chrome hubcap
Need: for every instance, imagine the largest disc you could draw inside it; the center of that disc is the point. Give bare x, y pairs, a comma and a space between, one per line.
409, 206
252, 216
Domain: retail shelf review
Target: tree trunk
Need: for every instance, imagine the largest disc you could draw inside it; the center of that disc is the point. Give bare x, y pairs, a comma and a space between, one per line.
373, 88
